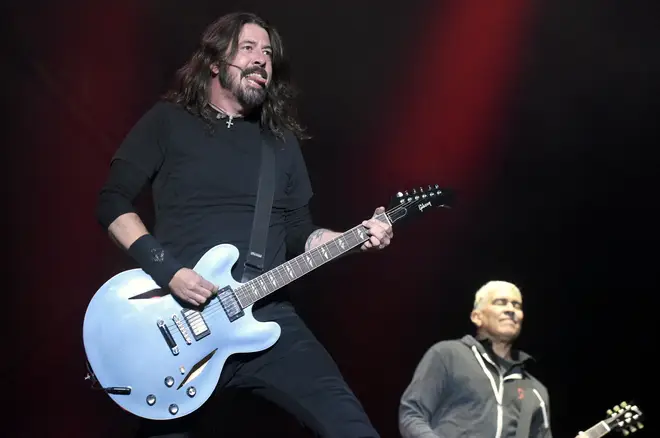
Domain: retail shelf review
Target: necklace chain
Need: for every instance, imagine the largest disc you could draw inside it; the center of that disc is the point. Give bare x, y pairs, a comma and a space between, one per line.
222, 114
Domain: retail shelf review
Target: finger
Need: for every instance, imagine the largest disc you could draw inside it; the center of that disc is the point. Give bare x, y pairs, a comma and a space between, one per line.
375, 241
378, 231
379, 210
367, 245
379, 228
201, 291
204, 283
197, 296
370, 223
193, 302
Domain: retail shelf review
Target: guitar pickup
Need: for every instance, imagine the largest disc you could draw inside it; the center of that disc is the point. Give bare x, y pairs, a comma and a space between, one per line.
197, 324
230, 304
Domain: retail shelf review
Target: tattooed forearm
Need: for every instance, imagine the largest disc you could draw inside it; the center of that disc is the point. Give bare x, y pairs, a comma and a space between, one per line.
315, 239
321, 236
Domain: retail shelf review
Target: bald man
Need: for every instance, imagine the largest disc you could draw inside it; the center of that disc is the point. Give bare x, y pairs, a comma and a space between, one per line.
477, 386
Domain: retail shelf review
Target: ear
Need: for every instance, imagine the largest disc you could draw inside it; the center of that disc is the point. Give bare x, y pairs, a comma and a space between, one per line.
475, 317
215, 70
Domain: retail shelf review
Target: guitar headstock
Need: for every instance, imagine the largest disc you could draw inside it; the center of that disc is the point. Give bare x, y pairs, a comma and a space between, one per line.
419, 200
624, 418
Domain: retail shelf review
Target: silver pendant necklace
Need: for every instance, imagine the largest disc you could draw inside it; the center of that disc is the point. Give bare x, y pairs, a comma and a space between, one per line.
222, 114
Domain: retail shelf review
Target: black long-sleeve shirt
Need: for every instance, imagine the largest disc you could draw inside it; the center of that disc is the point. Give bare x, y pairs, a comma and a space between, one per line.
204, 185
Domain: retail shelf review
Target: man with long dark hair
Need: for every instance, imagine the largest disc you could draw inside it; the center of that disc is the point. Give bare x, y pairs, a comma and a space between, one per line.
199, 148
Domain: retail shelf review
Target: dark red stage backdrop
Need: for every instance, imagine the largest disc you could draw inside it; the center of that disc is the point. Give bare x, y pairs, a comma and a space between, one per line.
86, 73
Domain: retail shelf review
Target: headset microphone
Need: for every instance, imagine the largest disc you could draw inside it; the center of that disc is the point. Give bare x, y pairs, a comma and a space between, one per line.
233, 65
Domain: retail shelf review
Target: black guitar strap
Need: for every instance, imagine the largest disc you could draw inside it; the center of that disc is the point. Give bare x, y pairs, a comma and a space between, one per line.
254, 263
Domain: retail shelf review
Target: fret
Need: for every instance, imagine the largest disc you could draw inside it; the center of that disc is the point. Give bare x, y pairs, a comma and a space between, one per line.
254, 293
289, 271
597, 430
273, 280
336, 251
309, 260
276, 278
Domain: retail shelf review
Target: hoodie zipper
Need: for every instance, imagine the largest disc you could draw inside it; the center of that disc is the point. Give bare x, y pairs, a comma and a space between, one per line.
546, 421
497, 389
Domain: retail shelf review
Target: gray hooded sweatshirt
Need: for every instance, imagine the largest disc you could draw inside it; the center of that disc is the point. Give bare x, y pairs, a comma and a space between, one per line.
461, 389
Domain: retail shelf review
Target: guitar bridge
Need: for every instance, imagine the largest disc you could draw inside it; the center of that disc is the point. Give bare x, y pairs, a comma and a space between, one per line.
182, 329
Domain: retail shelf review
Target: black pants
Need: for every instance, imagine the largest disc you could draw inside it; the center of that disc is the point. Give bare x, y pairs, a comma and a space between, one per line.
297, 374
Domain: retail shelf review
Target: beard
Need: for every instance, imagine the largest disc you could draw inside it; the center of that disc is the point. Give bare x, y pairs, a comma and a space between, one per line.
247, 96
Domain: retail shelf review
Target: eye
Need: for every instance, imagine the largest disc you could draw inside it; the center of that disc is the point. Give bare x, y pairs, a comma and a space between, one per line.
268, 53
248, 48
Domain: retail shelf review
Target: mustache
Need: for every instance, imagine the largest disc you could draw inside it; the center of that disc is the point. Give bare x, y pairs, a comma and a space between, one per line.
255, 69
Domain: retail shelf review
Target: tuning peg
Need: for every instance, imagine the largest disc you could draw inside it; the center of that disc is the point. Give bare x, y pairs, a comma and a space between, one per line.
623, 404
405, 193
625, 432
617, 409
437, 186
633, 429
609, 412
640, 426
399, 195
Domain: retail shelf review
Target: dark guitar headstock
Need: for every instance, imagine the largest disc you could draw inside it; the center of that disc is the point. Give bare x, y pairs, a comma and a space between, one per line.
419, 200
624, 418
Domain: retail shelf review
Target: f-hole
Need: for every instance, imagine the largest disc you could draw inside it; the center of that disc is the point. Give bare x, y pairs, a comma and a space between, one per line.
197, 369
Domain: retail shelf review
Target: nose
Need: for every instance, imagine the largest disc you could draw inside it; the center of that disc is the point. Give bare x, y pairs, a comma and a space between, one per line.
511, 314
259, 59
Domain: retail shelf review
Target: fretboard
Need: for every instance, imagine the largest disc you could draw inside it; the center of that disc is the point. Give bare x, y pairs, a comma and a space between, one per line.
267, 283
598, 430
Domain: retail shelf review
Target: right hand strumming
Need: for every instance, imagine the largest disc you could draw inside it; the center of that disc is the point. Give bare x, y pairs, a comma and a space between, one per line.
191, 287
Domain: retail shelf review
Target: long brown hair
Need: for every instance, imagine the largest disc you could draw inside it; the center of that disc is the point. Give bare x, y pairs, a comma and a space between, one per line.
219, 43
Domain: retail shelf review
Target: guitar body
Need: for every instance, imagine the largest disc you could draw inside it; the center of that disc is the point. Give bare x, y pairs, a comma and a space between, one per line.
126, 348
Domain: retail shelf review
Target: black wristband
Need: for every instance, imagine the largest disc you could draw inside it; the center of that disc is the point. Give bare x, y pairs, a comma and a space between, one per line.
154, 260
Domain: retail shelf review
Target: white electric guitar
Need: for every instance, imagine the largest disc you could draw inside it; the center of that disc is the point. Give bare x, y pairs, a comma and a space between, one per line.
160, 359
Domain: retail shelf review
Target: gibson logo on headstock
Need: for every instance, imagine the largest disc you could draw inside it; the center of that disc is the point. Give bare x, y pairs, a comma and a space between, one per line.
423, 206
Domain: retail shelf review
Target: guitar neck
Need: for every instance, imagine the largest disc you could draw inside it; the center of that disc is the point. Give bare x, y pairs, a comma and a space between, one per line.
598, 430
265, 284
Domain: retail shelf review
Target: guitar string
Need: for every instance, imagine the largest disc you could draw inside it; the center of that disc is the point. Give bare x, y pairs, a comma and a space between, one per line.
216, 306
243, 295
